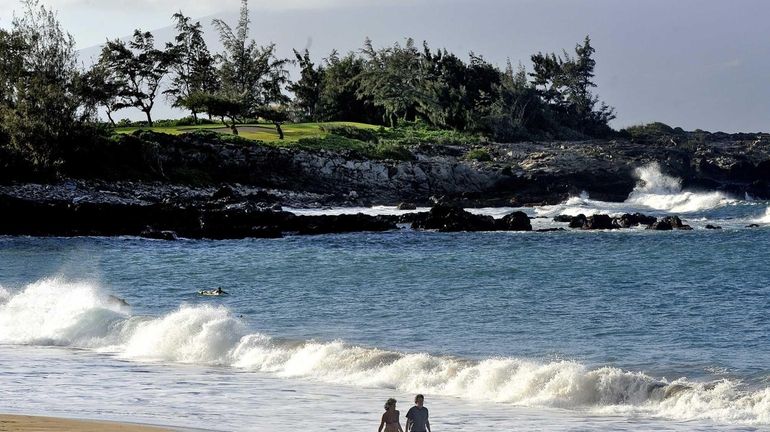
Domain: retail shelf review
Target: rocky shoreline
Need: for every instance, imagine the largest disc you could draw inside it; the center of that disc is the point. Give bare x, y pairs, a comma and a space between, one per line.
137, 189
225, 214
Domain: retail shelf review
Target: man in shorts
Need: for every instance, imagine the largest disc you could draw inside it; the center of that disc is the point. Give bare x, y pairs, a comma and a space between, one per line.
417, 416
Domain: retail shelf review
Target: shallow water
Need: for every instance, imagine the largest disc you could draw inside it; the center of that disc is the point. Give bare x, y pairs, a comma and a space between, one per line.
624, 330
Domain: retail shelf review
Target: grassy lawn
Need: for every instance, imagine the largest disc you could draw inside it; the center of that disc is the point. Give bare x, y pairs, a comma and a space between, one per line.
258, 131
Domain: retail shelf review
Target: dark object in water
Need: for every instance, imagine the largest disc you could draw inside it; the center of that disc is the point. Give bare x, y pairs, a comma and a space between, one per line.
214, 292
118, 300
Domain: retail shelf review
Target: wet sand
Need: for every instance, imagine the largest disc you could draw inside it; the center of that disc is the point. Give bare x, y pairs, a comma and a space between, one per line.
23, 423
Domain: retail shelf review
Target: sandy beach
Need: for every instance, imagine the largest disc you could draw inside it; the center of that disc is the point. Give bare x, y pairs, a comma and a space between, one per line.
23, 423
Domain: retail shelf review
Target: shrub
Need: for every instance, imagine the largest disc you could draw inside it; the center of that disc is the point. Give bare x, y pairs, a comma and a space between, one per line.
333, 142
478, 154
651, 131
365, 135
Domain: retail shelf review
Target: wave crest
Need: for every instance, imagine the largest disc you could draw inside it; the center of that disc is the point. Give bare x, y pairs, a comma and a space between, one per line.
53, 311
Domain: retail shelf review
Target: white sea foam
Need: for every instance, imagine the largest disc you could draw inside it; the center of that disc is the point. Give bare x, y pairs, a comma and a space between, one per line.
654, 192
659, 191
764, 219
58, 312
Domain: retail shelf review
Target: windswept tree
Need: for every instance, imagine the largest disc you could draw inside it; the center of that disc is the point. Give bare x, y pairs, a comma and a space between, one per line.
100, 87
546, 76
38, 110
578, 74
194, 66
140, 67
391, 79
444, 101
339, 98
228, 110
251, 75
565, 83
517, 112
307, 90
482, 89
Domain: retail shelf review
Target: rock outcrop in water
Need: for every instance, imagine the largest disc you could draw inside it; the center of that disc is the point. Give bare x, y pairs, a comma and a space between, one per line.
208, 219
449, 218
201, 187
627, 220
669, 223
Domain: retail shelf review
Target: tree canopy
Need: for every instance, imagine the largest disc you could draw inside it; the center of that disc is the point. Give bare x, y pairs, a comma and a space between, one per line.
46, 98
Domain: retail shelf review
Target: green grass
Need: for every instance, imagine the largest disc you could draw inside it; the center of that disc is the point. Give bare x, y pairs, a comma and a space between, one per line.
265, 132
366, 140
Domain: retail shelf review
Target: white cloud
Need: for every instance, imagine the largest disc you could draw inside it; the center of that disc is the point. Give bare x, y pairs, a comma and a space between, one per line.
190, 7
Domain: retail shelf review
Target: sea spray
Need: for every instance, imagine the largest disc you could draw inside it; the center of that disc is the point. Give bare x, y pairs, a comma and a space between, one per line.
4, 295
54, 311
655, 192
659, 191
765, 219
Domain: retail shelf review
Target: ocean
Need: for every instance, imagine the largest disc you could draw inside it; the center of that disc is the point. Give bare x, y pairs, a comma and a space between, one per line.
570, 330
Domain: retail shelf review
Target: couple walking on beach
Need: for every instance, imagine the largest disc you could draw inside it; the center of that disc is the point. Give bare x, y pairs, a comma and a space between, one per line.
416, 417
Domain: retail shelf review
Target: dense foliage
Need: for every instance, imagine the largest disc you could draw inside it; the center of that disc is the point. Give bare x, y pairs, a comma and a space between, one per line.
49, 107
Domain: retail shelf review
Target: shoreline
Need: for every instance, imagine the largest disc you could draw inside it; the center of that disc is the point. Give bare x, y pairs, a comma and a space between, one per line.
35, 423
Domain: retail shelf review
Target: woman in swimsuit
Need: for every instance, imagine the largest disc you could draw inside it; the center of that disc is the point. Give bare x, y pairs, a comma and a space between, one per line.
390, 418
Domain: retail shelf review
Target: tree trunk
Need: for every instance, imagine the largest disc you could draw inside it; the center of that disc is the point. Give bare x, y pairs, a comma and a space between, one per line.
109, 116
149, 118
279, 130
195, 117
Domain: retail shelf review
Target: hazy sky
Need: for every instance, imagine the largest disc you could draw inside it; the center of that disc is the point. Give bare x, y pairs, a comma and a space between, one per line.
690, 63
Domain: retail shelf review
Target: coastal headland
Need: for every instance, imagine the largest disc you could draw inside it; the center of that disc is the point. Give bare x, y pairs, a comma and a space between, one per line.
202, 186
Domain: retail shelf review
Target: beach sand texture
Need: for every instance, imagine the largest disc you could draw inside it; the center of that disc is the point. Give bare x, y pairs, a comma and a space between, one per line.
23, 423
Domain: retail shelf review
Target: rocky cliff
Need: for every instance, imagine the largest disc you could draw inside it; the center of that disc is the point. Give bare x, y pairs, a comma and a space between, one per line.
162, 168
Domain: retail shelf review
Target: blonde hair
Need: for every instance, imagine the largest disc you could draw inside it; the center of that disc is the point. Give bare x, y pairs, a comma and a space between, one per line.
390, 402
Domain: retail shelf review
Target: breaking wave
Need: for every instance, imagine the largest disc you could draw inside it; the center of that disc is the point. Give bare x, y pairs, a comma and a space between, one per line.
658, 191
655, 192
59, 312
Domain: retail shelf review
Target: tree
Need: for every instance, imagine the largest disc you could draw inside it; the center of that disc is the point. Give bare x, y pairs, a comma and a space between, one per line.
307, 90
98, 86
517, 112
339, 98
390, 78
140, 68
444, 101
482, 87
193, 68
578, 74
229, 110
565, 83
37, 69
250, 74
547, 69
